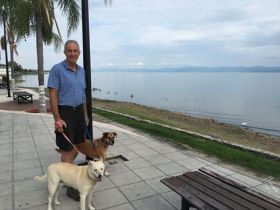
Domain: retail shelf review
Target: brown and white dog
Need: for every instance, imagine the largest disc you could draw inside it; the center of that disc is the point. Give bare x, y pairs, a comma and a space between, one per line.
99, 147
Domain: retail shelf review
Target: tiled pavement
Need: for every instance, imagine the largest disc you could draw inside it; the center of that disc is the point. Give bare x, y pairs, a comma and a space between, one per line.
27, 148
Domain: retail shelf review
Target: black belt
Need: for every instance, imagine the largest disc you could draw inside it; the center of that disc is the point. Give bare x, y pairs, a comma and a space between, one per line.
70, 107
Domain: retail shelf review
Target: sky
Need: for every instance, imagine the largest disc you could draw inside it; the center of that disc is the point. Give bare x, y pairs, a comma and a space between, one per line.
167, 33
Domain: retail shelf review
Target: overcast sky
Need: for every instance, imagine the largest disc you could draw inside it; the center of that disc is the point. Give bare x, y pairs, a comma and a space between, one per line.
160, 33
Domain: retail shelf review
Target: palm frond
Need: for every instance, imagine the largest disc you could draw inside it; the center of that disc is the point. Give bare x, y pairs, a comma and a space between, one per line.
71, 9
57, 42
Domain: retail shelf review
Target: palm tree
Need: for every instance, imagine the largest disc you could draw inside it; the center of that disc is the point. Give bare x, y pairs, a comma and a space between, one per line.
11, 35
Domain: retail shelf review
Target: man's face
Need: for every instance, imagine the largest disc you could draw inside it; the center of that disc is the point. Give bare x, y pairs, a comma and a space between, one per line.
72, 52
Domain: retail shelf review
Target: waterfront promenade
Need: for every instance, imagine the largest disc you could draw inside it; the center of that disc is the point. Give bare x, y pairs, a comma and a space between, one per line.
27, 148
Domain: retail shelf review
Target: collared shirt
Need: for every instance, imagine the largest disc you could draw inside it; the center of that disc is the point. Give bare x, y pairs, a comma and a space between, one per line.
70, 84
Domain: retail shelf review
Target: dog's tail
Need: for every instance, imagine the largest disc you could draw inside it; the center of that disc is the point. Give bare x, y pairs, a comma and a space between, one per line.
41, 178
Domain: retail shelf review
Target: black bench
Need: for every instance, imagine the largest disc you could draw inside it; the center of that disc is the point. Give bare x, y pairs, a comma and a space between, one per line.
22, 97
204, 189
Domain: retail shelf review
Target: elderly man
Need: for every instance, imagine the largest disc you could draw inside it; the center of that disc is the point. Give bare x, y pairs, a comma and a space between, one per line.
67, 85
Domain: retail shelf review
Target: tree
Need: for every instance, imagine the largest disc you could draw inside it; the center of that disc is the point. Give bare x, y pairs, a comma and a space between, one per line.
10, 32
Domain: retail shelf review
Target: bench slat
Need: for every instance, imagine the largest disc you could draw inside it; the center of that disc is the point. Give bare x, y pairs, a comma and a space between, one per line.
222, 190
194, 196
253, 196
221, 198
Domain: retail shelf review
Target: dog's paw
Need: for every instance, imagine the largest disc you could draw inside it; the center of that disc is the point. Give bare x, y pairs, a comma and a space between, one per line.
107, 174
91, 208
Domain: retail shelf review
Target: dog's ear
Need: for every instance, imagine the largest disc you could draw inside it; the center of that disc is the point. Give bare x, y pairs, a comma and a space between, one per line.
105, 134
115, 134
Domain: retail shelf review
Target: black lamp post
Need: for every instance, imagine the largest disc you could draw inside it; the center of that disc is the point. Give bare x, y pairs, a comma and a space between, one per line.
87, 66
6, 54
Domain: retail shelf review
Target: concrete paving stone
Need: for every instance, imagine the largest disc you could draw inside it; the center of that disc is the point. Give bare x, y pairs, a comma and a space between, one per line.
5, 176
153, 143
191, 164
124, 178
28, 185
126, 206
152, 203
148, 173
118, 149
173, 198
137, 146
108, 198
27, 173
137, 191
5, 146
25, 156
245, 179
105, 184
47, 153
143, 138
137, 163
130, 155
6, 203
5, 167
5, 189
176, 156
25, 149
157, 159
126, 141
5, 153
157, 185
146, 152
171, 168
26, 164
220, 170
117, 168
31, 199
269, 190
165, 149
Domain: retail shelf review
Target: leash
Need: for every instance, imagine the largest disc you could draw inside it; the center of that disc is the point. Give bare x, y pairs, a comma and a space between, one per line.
70, 142
88, 135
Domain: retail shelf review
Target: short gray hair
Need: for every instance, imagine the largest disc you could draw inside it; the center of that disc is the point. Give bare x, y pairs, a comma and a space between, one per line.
71, 41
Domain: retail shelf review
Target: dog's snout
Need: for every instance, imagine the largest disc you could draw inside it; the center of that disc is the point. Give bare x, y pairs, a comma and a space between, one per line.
99, 176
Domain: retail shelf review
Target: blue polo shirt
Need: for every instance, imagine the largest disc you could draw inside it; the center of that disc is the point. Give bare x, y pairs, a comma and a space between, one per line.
70, 85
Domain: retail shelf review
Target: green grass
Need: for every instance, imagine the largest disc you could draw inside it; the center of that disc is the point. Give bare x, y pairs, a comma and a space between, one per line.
224, 152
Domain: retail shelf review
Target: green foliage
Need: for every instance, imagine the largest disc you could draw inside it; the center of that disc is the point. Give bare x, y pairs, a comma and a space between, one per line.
226, 153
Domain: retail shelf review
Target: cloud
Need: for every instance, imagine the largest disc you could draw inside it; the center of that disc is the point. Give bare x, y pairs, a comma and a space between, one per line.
173, 32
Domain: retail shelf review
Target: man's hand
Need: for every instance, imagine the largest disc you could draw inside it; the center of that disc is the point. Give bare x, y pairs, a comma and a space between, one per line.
59, 125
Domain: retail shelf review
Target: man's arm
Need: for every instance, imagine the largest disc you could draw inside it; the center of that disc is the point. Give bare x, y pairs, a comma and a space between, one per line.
54, 103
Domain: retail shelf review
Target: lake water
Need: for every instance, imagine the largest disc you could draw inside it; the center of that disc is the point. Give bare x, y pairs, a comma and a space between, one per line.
231, 97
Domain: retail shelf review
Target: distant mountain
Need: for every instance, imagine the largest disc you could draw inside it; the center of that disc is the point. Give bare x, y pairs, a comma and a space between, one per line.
194, 69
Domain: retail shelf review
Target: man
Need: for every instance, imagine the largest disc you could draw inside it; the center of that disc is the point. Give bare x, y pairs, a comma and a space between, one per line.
67, 85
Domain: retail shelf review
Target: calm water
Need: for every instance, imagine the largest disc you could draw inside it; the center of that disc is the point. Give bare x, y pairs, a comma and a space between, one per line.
232, 97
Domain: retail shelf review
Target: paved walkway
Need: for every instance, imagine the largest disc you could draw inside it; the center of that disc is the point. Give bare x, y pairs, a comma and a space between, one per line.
27, 148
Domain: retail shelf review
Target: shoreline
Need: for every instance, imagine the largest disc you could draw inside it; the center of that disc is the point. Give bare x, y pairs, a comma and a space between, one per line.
209, 127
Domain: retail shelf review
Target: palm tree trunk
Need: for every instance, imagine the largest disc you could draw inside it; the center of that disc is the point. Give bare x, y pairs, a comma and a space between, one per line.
40, 61
12, 68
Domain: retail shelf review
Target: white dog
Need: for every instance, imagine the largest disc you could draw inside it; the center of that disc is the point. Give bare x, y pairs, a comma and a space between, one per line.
81, 178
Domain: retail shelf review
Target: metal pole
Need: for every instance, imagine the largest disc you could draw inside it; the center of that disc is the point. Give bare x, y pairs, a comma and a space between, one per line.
6, 54
87, 65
